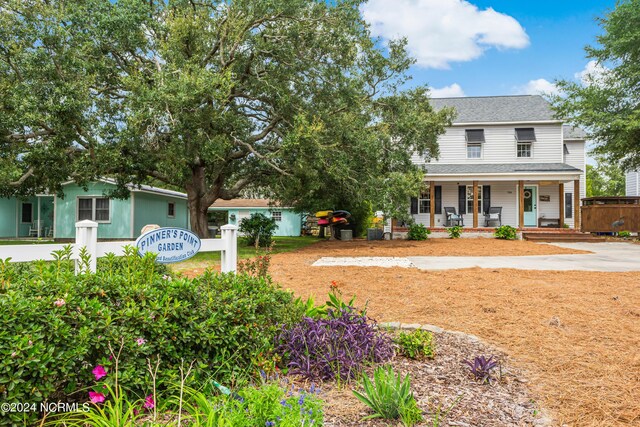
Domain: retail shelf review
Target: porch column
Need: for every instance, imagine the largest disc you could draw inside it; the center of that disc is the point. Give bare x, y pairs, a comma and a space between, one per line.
576, 204
561, 203
475, 204
521, 204
432, 201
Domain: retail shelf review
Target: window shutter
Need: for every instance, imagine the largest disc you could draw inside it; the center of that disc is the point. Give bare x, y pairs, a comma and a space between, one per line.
525, 134
462, 199
474, 135
486, 198
414, 205
568, 205
438, 202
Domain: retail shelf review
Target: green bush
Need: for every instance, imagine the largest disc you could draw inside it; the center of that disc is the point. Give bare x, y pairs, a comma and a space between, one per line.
416, 344
418, 232
455, 232
390, 397
506, 232
624, 234
258, 230
55, 326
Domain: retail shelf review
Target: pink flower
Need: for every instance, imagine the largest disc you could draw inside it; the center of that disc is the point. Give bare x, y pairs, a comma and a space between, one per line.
141, 341
149, 403
99, 372
111, 357
96, 397
59, 302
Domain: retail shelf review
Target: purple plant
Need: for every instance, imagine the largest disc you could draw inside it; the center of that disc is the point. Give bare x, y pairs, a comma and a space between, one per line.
334, 348
481, 368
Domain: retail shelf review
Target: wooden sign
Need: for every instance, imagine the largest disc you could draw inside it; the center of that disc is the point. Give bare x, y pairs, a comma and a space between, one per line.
545, 198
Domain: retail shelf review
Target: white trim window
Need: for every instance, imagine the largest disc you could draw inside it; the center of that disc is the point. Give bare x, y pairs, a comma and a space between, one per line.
525, 137
524, 149
475, 138
276, 216
171, 209
96, 209
26, 214
424, 201
470, 199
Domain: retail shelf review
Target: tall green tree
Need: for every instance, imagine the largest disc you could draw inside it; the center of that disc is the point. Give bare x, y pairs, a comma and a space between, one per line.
290, 97
605, 179
607, 104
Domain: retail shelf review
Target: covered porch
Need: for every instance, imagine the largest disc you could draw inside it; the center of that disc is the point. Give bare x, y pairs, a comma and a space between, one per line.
35, 217
534, 200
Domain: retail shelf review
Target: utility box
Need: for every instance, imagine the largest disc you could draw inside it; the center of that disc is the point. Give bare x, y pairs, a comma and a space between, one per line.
374, 234
346, 235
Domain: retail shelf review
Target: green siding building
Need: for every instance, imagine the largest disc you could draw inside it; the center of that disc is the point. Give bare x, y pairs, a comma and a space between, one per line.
235, 210
55, 217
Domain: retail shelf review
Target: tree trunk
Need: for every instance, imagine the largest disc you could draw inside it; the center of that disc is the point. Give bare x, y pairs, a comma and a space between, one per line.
198, 204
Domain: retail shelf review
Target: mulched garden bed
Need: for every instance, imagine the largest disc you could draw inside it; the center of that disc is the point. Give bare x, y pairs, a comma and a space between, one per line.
439, 382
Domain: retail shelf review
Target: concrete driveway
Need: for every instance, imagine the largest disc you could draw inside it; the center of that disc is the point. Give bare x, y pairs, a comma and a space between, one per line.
606, 256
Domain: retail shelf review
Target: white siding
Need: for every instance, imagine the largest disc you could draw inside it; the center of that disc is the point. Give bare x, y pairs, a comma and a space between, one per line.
576, 158
500, 145
633, 184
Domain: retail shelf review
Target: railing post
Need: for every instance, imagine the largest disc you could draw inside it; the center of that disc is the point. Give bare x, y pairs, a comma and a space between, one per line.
229, 256
86, 236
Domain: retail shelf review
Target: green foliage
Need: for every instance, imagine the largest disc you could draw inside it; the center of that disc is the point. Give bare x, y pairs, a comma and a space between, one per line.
418, 232
416, 344
606, 101
310, 309
605, 179
258, 266
258, 230
624, 234
455, 232
194, 95
506, 232
389, 396
55, 326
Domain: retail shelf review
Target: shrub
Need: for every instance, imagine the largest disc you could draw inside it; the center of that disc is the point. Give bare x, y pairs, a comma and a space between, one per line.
506, 232
418, 232
482, 369
416, 344
56, 326
334, 348
624, 234
455, 231
258, 230
390, 397
257, 267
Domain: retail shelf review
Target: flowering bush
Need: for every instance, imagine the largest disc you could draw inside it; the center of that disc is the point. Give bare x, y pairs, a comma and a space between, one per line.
334, 348
49, 350
257, 267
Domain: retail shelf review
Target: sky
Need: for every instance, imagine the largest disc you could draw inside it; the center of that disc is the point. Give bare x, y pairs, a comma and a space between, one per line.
491, 47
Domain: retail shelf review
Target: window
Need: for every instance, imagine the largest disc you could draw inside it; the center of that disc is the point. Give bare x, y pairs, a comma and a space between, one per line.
470, 199
94, 209
568, 205
171, 210
27, 213
424, 201
475, 138
276, 215
474, 150
524, 149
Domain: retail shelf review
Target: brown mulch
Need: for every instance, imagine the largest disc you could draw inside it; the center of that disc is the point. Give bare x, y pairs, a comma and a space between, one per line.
439, 382
576, 334
477, 246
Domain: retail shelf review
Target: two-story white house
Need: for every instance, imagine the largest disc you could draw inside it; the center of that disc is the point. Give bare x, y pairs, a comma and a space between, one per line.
505, 159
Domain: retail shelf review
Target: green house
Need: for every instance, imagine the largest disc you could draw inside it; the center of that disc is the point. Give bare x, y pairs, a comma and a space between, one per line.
50, 216
235, 210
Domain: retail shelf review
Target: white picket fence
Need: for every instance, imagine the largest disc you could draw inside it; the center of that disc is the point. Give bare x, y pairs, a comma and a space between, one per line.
87, 236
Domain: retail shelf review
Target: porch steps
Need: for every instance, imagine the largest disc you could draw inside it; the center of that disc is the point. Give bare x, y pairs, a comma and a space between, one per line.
561, 237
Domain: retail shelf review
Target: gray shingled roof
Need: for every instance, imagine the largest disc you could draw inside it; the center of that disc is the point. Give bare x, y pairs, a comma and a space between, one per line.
487, 109
573, 133
444, 169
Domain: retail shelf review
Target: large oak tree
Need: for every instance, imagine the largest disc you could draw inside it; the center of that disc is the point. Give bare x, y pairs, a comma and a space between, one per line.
289, 97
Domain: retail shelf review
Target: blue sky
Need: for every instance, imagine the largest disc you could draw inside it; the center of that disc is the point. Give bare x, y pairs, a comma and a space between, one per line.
490, 47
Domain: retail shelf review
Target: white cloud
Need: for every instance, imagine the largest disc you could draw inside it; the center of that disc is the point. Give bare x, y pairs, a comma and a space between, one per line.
592, 73
451, 91
440, 32
537, 87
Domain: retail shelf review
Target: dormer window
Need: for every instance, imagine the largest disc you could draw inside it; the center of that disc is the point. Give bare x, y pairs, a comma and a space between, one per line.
524, 139
475, 138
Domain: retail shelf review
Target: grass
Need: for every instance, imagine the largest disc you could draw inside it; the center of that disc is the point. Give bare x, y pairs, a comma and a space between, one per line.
282, 244
25, 242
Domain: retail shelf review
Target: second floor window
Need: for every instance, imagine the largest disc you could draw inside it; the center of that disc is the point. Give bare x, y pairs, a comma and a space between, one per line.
524, 139
424, 201
475, 138
524, 149
474, 150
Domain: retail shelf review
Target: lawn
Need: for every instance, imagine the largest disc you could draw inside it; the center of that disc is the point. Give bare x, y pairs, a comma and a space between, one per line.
25, 242
574, 332
205, 260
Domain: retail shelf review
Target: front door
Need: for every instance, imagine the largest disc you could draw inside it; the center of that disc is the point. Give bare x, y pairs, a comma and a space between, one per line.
530, 206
